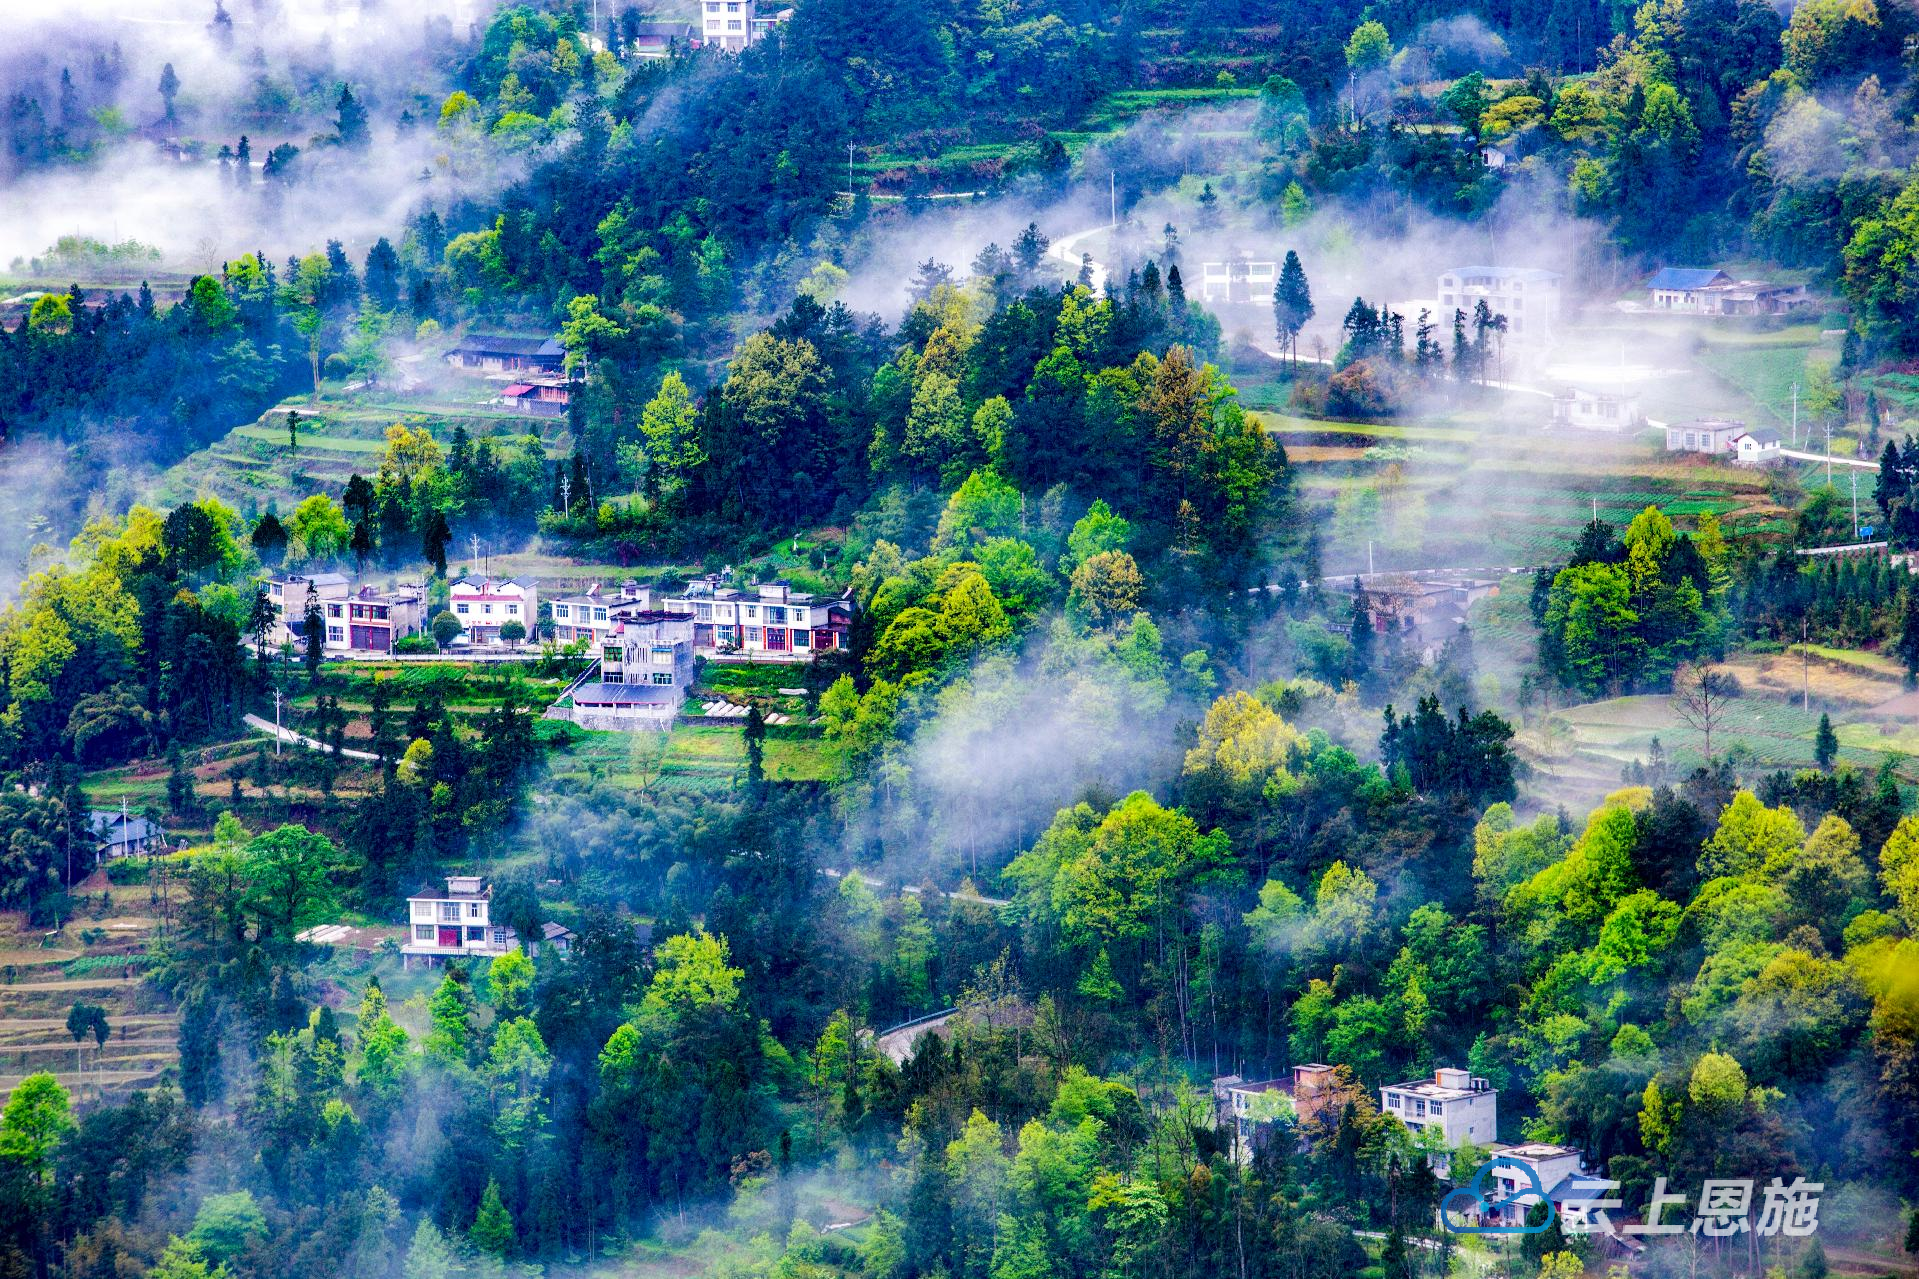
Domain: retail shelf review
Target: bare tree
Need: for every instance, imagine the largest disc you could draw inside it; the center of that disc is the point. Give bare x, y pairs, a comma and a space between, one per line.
1700, 697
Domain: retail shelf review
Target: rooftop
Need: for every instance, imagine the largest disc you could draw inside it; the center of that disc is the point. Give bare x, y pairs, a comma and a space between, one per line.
1686, 277
1505, 272
626, 695
1762, 435
1445, 1085
504, 344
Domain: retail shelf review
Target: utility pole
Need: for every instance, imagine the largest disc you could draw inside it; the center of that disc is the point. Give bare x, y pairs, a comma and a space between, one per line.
1828, 450
277, 698
1112, 195
473, 540
566, 496
849, 173
1369, 557
1795, 415
1855, 502
1805, 667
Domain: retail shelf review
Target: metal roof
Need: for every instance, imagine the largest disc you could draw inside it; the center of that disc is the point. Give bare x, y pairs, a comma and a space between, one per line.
1687, 277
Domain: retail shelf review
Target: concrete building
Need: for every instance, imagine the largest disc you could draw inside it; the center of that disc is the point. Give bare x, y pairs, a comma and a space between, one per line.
1454, 1105
1526, 1174
1708, 291
1707, 435
289, 595
732, 25
1528, 297
1757, 446
485, 604
1238, 281
1584, 409
646, 668
369, 620
592, 614
1682, 289
769, 622
454, 923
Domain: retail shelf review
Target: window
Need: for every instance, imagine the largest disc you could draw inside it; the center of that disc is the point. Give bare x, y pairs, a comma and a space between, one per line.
752, 634
561, 612
476, 934
1419, 1107
512, 610
423, 932
333, 610
334, 634
460, 608
487, 609
662, 677
752, 611
662, 656
702, 612
473, 910
599, 615
774, 613
449, 912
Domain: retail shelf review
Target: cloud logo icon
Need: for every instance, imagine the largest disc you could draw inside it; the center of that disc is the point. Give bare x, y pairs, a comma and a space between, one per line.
1486, 1197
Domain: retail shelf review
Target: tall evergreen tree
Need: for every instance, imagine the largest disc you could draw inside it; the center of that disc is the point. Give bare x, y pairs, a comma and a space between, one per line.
1292, 304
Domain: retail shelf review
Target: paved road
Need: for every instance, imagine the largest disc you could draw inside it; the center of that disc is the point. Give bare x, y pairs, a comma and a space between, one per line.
1861, 463
288, 735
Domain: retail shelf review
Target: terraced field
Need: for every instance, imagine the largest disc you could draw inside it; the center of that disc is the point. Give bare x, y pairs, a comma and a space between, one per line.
254, 464
701, 757
96, 958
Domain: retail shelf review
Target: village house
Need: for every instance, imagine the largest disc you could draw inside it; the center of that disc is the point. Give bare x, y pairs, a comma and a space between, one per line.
769, 622
454, 923
1682, 288
290, 593
485, 604
1253, 1106
1581, 408
1708, 291
651, 40
558, 936
358, 622
731, 25
646, 668
1528, 297
369, 620
121, 834
1708, 435
1237, 281
538, 397
1524, 1176
1757, 446
490, 353
591, 616
1454, 1105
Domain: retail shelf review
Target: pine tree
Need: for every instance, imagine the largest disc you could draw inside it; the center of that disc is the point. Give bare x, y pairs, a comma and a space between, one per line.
179, 782
1909, 635
434, 541
1292, 304
755, 732
492, 1226
1825, 746
169, 90
1175, 289
351, 127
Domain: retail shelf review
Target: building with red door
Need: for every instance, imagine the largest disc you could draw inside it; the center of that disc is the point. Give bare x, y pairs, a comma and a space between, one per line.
767, 622
454, 923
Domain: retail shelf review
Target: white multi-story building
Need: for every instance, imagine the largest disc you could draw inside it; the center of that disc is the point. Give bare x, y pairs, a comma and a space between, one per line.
733, 24
769, 622
1528, 297
1238, 281
485, 604
454, 924
1454, 1105
646, 668
592, 615
362, 621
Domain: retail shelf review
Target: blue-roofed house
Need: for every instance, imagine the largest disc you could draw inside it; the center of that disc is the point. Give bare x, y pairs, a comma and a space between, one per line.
1684, 288
646, 668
